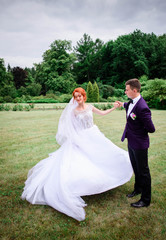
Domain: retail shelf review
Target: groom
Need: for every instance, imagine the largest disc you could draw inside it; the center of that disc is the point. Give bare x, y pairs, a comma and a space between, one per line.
138, 125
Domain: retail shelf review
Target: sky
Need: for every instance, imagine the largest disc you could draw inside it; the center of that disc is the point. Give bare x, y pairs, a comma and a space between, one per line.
28, 27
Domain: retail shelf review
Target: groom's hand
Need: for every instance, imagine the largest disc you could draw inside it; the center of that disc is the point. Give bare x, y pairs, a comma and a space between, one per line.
116, 105
120, 104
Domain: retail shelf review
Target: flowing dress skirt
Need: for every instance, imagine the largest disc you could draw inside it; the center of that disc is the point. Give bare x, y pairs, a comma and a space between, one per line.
89, 165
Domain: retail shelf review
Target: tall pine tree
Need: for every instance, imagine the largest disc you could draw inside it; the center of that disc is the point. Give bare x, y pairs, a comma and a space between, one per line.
95, 92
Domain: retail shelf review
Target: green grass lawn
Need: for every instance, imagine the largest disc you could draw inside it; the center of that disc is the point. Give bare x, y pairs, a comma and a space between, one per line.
28, 137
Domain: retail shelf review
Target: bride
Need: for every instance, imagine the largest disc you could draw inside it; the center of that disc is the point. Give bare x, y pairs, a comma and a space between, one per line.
86, 163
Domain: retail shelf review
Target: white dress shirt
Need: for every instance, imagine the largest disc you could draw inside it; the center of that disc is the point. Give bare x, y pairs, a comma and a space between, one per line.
131, 105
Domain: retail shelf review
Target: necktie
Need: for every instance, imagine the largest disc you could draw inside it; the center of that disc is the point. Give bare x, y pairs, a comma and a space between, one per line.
131, 101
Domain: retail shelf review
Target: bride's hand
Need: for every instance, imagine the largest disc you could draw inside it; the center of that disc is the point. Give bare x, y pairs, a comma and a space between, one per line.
116, 105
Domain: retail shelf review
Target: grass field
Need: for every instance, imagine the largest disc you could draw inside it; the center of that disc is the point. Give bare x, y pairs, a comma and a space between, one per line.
28, 137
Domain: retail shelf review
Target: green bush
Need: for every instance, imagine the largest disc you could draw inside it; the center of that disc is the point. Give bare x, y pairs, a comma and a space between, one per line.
38, 97
102, 99
25, 98
1, 100
7, 107
107, 91
155, 93
44, 100
17, 100
65, 98
22, 99
51, 95
22, 91
1, 107
32, 105
20, 107
27, 108
15, 108
8, 90
95, 92
8, 99
90, 92
103, 106
114, 99
34, 89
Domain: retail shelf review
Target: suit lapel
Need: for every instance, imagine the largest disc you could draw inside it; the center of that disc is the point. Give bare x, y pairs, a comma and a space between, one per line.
133, 107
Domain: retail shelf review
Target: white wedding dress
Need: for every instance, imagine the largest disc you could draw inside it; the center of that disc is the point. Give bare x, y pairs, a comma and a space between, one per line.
86, 163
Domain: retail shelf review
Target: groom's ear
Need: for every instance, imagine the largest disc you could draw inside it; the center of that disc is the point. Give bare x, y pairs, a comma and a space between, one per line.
135, 90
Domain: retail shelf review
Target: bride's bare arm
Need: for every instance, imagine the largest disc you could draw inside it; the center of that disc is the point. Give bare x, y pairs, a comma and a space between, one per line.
104, 112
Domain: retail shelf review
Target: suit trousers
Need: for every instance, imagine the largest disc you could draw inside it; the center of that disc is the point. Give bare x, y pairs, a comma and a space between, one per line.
139, 161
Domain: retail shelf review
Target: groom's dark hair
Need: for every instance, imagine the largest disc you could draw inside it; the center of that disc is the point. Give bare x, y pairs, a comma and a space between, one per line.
134, 83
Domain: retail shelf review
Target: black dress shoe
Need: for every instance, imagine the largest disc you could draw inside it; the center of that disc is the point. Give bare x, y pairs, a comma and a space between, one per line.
134, 193
139, 204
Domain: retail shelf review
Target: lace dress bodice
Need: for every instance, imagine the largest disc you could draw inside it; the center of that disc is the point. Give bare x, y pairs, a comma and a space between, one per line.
84, 118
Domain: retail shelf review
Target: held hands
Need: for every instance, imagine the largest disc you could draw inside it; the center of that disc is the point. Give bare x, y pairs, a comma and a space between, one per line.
120, 104
116, 105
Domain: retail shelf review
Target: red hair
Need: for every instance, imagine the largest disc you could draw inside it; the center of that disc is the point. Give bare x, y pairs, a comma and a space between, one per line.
82, 91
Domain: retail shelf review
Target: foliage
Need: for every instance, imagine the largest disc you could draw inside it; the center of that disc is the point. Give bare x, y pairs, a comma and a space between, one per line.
34, 89
95, 92
103, 106
44, 100
27, 108
65, 98
1, 100
55, 72
7, 99
8, 90
22, 91
102, 99
114, 99
22, 99
19, 77
88, 55
92, 92
119, 92
19, 107
1, 107
134, 55
16, 107
2, 72
107, 91
89, 92
155, 93
4, 107
30, 76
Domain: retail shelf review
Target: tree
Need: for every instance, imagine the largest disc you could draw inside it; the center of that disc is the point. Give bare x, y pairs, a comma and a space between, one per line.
30, 75
19, 77
55, 72
7, 89
3, 75
161, 69
88, 59
133, 55
41, 76
95, 92
89, 92
107, 91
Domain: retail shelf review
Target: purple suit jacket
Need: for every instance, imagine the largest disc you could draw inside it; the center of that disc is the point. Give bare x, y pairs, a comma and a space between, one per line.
138, 125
